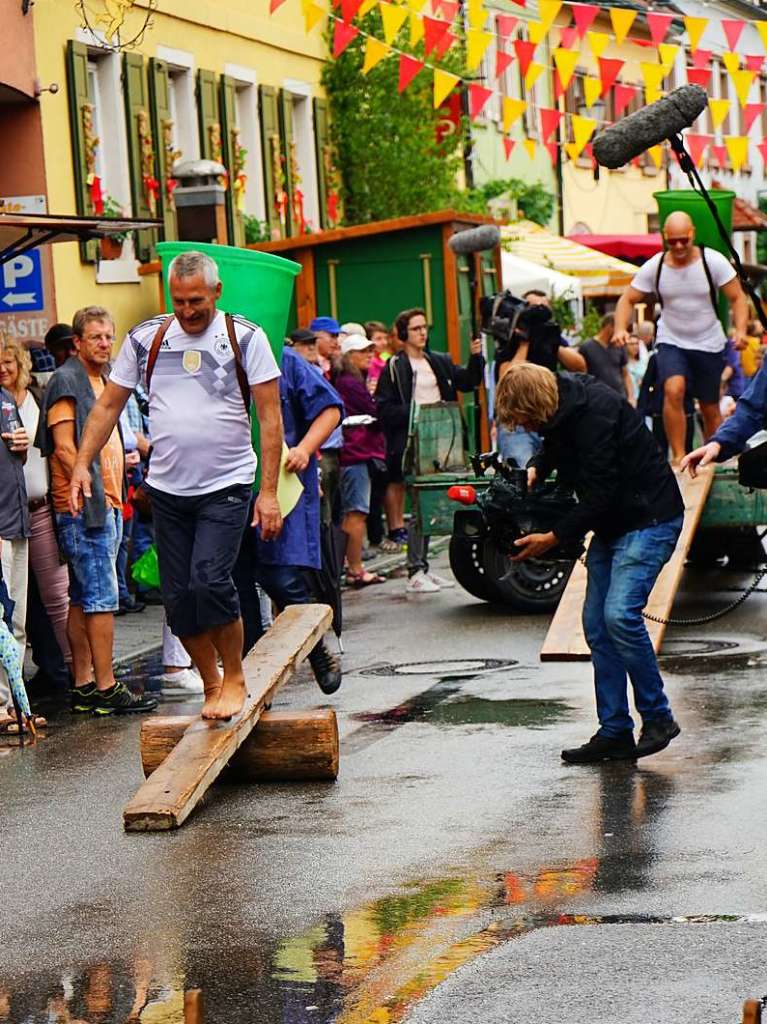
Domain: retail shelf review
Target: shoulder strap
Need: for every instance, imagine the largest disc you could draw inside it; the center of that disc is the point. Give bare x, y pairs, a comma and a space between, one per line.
242, 377
711, 286
657, 278
154, 350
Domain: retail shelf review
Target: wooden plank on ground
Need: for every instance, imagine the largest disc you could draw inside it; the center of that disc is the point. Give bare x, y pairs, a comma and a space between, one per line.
171, 793
565, 640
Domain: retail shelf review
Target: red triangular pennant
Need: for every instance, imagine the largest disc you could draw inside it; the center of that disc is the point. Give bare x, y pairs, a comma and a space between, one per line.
701, 58
696, 145
699, 76
502, 61
342, 36
622, 96
506, 24
762, 147
449, 10
750, 113
609, 70
659, 25
558, 90
754, 62
732, 29
274, 4
719, 153
583, 16
478, 97
569, 37
525, 51
553, 149
508, 145
549, 120
433, 31
349, 9
444, 44
408, 69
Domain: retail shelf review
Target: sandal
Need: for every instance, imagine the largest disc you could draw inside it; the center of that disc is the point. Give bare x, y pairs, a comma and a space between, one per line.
363, 579
10, 727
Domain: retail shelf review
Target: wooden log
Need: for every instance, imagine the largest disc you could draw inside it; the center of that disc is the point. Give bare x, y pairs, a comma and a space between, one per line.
752, 1011
284, 746
565, 640
167, 799
194, 1006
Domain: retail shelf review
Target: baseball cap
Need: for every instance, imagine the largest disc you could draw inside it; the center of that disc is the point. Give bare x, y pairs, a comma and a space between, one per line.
355, 343
58, 334
302, 337
325, 323
352, 328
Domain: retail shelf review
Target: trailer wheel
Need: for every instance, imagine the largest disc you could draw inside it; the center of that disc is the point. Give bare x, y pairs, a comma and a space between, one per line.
467, 561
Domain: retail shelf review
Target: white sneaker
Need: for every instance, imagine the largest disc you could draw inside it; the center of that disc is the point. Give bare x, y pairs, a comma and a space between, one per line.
184, 683
442, 583
421, 583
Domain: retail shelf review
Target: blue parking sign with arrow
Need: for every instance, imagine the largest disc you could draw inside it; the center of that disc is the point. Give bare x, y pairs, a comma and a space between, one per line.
21, 284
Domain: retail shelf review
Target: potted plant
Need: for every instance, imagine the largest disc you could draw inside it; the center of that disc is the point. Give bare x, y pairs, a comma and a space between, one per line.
112, 245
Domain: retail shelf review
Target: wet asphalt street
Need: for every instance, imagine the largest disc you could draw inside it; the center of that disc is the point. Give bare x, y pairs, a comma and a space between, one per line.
457, 871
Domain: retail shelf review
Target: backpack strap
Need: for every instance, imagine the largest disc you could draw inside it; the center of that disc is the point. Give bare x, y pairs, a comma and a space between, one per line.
711, 286
154, 350
242, 377
658, 295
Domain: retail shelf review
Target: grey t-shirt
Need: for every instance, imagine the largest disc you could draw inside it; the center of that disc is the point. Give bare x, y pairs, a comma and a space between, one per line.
606, 364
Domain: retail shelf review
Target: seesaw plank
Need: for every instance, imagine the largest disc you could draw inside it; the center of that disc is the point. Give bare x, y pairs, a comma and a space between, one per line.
565, 640
169, 796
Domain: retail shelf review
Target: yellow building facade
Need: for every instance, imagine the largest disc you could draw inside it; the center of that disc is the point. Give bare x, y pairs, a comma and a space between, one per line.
207, 80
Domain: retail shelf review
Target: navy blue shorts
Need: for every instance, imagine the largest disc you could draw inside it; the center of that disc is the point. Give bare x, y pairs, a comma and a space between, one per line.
702, 371
198, 539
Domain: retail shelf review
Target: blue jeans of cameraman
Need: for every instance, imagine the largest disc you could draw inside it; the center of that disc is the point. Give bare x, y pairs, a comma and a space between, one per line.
621, 574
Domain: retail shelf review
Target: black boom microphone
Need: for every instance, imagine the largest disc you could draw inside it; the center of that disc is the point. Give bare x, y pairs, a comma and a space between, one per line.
632, 135
486, 236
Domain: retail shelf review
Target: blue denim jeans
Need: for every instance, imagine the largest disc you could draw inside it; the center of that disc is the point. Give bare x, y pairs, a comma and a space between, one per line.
621, 574
518, 444
91, 555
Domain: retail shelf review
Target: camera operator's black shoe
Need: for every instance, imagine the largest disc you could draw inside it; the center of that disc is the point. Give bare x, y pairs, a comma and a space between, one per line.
326, 668
656, 735
603, 748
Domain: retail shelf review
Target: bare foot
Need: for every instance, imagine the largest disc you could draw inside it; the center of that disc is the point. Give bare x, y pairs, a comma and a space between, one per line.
212, 694
232, 698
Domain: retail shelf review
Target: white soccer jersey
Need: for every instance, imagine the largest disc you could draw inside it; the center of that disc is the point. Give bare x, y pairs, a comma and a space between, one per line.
197, 420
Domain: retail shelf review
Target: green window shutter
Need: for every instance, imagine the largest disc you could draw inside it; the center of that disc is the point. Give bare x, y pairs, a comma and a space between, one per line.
322, 153
80, 110
162, 131
231, 146
288, 148
270, 150
207, 112
141, 149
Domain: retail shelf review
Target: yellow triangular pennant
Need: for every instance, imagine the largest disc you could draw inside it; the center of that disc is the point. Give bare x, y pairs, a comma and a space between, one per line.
313, 14
512, 111
653, 95
565, 61
536, 32
572, 151
653, 75
737, 150
731, 61
667, 53
719, 111
656, 155
695, 29
444, 83
415, 5
416, 29
375, 51
742, 80
598, 41
761, 28
477, 14
476, 44
393, 19
529, 145
548, 10
622, 20
366, 7
583, 129
534, 72
592, 90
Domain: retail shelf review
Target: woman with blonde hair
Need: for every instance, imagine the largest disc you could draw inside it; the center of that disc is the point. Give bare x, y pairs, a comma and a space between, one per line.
50, 574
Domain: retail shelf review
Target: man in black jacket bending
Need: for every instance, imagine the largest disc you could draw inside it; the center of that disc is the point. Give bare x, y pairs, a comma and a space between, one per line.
417, 375
628, 496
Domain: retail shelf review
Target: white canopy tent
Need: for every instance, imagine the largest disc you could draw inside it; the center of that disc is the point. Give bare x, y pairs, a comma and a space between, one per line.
520, 275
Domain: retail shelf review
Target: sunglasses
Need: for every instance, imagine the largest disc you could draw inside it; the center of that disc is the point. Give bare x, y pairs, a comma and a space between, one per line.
678, 241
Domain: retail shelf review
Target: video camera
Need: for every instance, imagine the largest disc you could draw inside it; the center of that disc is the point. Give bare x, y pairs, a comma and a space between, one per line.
511, 321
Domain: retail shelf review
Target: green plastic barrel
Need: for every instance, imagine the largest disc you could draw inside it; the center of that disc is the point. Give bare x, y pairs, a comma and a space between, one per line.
706, 231
257, 285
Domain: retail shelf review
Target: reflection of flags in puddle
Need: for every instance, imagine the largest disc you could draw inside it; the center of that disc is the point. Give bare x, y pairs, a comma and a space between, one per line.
555, 883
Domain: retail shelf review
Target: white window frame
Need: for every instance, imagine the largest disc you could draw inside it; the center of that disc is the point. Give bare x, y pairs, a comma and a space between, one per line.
303, 128
246, 83
182, 97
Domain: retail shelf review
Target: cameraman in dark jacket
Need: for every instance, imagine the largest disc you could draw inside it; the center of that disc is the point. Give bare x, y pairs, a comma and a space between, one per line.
628, 496
417, 375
